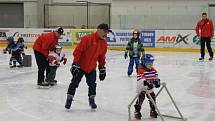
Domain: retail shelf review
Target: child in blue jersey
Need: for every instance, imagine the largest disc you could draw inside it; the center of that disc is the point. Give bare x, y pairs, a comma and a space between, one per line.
147, 76
18, 53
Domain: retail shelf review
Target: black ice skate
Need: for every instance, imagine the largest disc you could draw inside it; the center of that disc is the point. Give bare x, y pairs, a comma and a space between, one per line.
153, 114
129, 74
53, 82
12, 66
69, 101
201, 59
210, 59
137, 115
92, 102
43, 85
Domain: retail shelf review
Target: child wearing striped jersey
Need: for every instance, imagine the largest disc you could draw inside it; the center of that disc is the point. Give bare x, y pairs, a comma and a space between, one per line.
147, 76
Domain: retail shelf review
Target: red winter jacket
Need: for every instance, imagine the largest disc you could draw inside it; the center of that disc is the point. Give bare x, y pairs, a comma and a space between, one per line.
45, 43
207, 30
90, 50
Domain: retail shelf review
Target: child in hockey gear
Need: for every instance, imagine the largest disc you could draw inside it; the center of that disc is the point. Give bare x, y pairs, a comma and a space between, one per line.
55, 57
16, 56
135, 49
18, 52
20, 42
146, 77
10, 45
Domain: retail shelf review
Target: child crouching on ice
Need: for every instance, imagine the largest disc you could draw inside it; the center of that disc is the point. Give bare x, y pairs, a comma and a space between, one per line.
55, 57
147, 76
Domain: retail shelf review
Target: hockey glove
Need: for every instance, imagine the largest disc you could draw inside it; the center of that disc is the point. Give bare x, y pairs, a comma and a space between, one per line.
157, 82
9, 51
148, 85
126, 55
75, 69
55, 63
102, 73
64, 61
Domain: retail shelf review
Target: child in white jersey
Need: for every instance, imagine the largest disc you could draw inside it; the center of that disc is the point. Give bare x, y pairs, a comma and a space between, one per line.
55, 57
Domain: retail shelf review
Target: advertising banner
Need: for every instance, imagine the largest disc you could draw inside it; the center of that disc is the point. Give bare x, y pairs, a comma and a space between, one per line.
30, 35
3, 36
78, 33
148, 38
121, 37
177, 39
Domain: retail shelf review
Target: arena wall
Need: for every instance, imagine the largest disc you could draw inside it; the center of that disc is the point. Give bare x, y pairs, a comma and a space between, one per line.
154, 40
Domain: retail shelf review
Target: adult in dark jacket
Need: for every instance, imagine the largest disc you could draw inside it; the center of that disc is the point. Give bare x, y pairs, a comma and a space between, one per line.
42, 46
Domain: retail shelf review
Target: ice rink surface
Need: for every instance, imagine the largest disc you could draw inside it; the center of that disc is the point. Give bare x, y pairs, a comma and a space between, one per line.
191, 83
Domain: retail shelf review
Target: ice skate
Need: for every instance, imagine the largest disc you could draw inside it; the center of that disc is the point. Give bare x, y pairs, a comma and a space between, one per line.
210, 59
201, 59
92, 102
43, 85
69, 101
137, 115
12, 66
153, 114
54, 82
129, 74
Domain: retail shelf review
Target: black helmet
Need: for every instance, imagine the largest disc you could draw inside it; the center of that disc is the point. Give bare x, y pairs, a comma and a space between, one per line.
60, 30
20, 39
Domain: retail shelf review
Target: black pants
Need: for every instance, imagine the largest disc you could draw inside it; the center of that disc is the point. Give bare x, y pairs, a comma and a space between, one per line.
206, 40
16, 55
52, 74
90, 80
43, 65
141, 98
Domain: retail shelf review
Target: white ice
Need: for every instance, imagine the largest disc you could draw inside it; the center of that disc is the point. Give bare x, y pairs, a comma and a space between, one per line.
191, 83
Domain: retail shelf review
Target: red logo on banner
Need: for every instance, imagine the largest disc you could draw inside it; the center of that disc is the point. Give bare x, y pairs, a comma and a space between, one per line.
167, 39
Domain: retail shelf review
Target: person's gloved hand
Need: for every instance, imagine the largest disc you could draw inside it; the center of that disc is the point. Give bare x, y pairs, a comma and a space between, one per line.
64, 61
75, 69
148, 85
55, 63
157, 82
102, 73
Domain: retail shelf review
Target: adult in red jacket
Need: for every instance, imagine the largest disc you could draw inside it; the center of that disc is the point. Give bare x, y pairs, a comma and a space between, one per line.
41, 47
91, 49
205, 31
